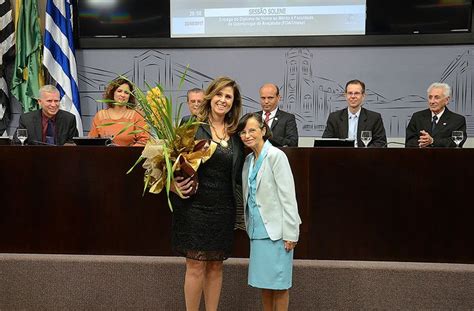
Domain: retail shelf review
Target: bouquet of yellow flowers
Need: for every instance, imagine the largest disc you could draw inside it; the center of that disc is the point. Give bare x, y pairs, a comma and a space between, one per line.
171, 150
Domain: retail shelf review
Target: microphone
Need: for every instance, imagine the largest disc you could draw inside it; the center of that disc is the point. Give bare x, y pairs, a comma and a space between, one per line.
394, 143
40, 143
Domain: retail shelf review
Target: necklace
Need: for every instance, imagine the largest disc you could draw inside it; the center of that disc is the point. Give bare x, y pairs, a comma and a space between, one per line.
222, 140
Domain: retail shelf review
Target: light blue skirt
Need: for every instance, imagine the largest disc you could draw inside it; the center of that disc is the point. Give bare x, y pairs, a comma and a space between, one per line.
270, 265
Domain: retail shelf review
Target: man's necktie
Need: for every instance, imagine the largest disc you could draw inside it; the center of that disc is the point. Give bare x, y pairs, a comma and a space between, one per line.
50, 133
267, 117
433, 123
352, 127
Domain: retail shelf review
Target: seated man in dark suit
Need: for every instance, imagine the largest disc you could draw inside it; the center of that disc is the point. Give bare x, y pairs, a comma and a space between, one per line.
433, 127
282, 124
351, 121
49, 125
194, 99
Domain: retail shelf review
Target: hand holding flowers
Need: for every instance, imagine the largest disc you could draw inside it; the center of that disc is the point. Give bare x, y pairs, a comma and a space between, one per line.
171, 152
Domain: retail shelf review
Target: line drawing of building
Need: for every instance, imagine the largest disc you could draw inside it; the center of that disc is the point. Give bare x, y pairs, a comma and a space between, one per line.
319, 96
149, 67
459, 75
310, 97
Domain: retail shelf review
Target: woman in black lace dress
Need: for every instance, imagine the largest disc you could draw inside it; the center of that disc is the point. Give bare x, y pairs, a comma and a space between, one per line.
203, 223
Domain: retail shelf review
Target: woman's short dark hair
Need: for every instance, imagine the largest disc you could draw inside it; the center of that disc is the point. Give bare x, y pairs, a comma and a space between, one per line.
113, 86
258, 117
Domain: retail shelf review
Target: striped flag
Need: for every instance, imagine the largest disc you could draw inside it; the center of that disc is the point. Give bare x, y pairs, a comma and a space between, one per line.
28, 72
7, 51
59, 55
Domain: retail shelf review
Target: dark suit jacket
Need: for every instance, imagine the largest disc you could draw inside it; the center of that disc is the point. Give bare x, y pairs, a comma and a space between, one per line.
65, 126
284, 130
337, 126
448, 123
186, 118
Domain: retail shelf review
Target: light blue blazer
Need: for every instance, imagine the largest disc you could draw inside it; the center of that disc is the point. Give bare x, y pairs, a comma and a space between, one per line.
276, 197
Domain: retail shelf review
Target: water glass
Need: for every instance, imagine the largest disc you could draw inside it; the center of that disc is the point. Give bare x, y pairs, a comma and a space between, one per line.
457, 137
22, 135
366, 137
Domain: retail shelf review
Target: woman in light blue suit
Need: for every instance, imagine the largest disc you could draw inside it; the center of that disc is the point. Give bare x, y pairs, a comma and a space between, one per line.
271, 213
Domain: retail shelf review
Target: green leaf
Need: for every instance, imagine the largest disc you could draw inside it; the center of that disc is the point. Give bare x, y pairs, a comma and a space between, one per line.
183, 77
169, 174
125, 128
140, 159
106, 124
145, 184
108, 101
136, 132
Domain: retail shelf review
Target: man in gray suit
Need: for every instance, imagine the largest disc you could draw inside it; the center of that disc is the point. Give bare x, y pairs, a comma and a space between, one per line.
49, 125
282, 124
351, 121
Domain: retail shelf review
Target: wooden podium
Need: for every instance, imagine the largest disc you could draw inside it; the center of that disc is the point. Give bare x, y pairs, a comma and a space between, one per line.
356, 204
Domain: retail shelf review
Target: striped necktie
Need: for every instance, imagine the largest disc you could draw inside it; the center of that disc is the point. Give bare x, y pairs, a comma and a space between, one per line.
267, 117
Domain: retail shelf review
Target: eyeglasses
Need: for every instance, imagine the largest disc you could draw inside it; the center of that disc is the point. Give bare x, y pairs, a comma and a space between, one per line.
251, 131
436, 97
353, 93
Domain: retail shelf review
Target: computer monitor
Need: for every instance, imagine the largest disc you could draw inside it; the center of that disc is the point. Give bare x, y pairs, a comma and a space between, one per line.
5, 141
91, 141
334, 142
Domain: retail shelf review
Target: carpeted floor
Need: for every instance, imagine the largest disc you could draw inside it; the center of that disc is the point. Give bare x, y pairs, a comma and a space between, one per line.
77, 282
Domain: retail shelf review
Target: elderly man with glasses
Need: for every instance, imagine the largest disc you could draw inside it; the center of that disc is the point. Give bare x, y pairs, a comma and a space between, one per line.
348, 123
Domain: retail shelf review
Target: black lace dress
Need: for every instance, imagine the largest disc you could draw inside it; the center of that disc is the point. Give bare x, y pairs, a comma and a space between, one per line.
203, 224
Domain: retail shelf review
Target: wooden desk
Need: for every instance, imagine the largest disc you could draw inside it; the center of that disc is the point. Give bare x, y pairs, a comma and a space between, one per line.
356, 204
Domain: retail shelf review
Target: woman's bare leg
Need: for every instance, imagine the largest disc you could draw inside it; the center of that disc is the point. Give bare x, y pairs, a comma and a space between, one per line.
213, 284
281, 299
267, 299
194, 283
